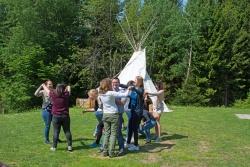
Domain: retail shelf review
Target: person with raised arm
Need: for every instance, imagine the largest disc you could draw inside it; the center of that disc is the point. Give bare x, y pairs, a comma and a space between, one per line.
110, 114
60, 112
46, 108
158, 107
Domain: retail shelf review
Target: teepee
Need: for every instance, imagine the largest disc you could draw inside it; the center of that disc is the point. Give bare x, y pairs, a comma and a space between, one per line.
136, 66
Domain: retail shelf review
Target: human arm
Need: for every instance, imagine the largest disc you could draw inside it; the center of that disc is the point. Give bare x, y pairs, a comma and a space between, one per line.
45, 88
155, 93
68, 88
38, 92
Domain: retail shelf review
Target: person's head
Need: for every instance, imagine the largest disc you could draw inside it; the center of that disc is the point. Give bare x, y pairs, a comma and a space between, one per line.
159, 85
60, 89
131, 83
49, 84
139, 82
115, 83
93, 93
105, 85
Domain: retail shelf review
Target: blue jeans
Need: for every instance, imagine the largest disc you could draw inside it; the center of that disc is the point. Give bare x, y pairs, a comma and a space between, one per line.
119, 132
47, 118
98, 115
148, 125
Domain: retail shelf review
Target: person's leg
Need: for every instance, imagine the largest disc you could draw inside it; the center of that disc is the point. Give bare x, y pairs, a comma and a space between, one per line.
47, 117
135, 129
130, 129
148, 125
99, 134
119, 133
57, 126
114, 127
67, 132
107, 127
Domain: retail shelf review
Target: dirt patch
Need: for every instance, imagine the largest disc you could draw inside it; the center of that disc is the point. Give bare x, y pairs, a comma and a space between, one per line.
203, 146
151, 158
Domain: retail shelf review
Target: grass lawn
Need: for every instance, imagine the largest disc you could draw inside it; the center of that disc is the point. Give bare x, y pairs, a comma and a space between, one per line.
192, 136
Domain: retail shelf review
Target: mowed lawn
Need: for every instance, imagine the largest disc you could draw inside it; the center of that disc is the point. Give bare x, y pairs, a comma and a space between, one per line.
192, 136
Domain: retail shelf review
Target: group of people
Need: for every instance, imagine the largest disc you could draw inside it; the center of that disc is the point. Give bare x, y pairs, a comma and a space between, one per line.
109, 101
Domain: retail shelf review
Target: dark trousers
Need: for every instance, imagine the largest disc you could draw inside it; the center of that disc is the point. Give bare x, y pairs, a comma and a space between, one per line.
99, 132
64, 121
133, 127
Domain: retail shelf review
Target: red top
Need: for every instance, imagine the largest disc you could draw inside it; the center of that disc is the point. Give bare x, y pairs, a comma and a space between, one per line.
60, 105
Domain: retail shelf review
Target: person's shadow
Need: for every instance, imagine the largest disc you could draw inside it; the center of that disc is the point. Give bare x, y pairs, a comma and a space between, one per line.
165, 144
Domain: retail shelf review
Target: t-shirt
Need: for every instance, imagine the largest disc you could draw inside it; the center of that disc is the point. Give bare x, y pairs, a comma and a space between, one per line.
60, 104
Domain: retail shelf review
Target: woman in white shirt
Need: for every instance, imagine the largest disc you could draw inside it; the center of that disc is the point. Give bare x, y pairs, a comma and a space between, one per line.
110, 114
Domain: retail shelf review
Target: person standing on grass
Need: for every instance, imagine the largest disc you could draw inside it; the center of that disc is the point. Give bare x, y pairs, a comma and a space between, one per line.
158, 107
60, 111
136, 106
120, 105
110, 114
93, 105
46, 108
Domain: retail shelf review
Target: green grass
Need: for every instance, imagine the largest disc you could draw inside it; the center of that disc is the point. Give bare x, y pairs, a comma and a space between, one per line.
195, 137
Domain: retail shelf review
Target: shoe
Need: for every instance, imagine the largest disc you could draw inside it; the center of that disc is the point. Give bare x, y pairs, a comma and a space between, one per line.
157, 140
148, 141
70, 149
47, 142
105, 154
134, 148
94, 145
53, 149
126, 145
121, 152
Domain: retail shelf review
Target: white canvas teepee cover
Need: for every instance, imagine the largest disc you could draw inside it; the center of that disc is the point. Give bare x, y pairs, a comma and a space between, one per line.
136, 66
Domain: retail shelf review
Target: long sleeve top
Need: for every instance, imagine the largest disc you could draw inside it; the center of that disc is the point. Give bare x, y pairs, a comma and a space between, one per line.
108, 101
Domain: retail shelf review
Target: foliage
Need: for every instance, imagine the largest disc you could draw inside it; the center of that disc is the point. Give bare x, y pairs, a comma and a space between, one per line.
204, 47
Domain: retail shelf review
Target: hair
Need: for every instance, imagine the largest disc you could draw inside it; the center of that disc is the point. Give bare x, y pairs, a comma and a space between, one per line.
60, 89
159, 85
141, 80
46, 82
131, 83
105, 85
116, 78
91, 101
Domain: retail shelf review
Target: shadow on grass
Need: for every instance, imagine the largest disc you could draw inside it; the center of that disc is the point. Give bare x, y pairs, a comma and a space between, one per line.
172, 137
76, 140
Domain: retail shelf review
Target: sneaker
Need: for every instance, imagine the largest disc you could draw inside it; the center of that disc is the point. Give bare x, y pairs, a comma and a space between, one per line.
105, 154
126, 145
157, 140
47, 142
70, 148
94, 145
148, 141
121, 152
53, 149
134, 148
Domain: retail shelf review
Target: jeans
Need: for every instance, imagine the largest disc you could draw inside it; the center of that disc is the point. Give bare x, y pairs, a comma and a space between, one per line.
47, 118
98, 115
119, 132
64, 121
148, 125
110, 125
